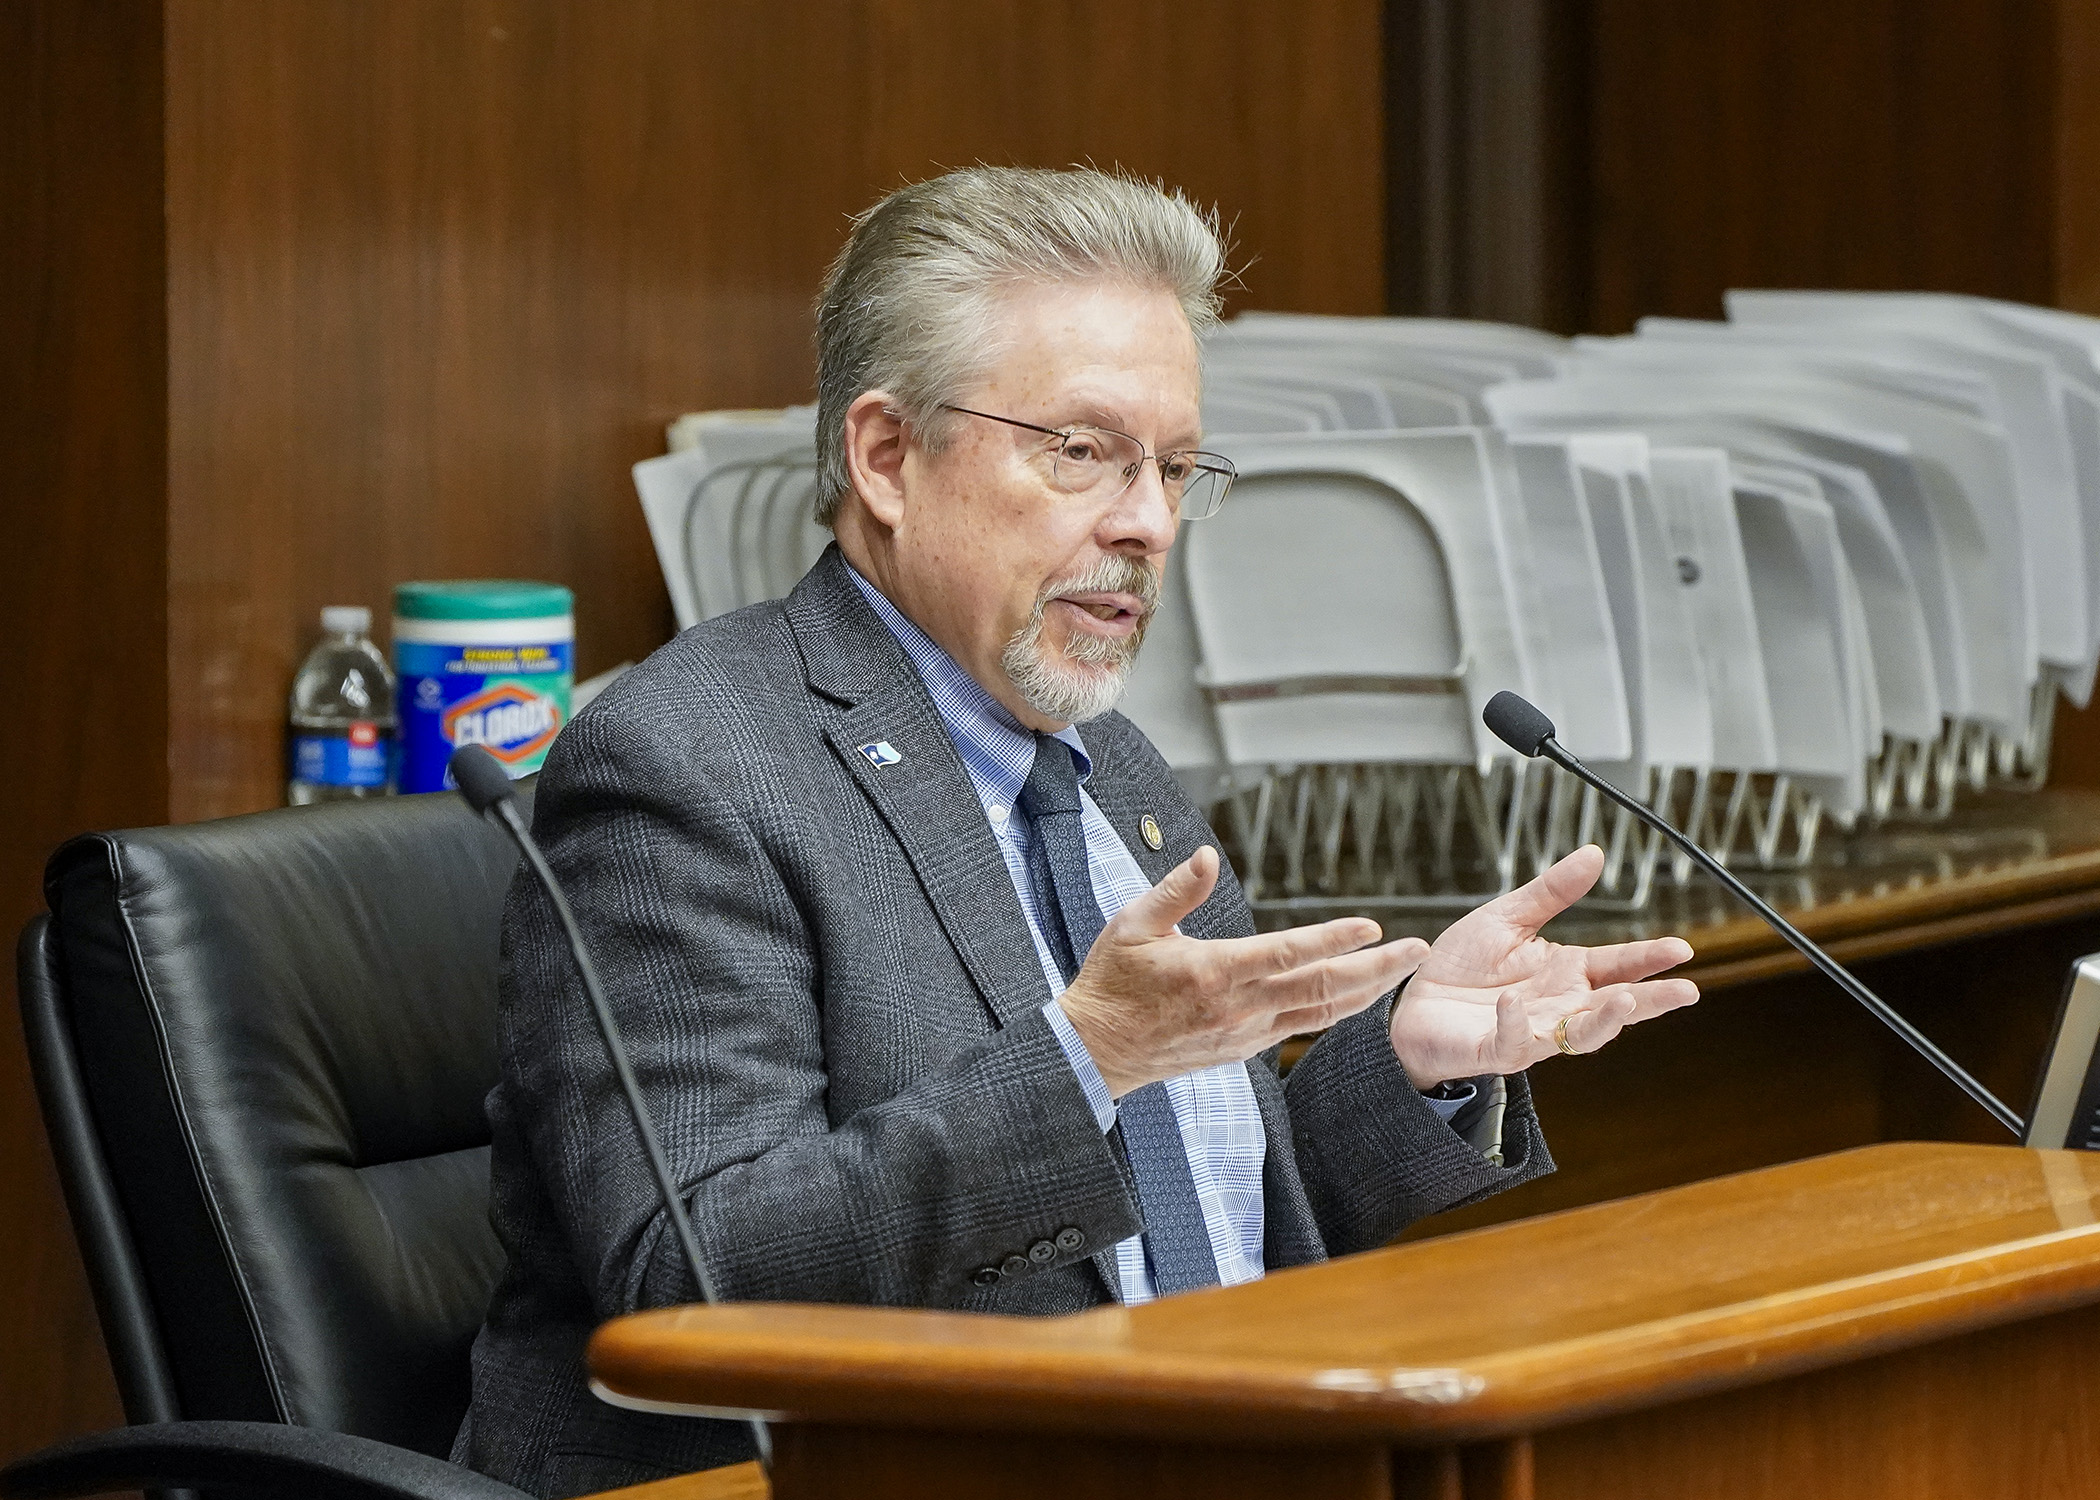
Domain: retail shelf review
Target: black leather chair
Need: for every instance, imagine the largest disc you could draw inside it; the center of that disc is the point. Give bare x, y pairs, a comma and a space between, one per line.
262, 1046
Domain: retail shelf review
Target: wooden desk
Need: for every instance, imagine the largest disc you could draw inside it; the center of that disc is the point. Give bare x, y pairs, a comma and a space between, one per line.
1967, 927
1904, 1320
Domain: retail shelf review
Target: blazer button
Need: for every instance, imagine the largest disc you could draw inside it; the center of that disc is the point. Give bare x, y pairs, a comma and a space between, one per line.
1013, 1265
1042, 1252
985, 1276
1069, 1240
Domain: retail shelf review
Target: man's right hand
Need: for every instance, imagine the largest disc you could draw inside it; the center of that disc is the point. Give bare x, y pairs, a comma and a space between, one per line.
1151, 1004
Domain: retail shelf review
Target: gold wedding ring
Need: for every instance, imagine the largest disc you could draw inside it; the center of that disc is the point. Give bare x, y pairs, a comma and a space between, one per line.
1560, 1038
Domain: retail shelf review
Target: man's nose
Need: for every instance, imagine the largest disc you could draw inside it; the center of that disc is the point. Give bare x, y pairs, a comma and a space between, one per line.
1142, 514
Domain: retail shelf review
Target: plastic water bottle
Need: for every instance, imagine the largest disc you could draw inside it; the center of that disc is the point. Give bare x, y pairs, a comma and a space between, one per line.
342, 714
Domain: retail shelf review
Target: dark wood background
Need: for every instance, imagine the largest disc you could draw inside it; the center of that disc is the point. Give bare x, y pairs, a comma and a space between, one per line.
1876, 143
438, 274
83, 577
324, 296
297, 301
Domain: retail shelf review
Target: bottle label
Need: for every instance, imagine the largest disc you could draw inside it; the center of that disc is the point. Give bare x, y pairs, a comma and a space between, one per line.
356, 757
509, 699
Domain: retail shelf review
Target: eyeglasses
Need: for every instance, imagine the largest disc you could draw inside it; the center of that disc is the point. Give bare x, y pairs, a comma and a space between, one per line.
1099, 463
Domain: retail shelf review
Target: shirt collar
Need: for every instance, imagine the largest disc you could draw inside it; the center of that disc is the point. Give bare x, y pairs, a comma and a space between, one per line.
997, 749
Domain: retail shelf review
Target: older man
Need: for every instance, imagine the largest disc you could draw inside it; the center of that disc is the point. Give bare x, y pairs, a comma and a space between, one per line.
931, 972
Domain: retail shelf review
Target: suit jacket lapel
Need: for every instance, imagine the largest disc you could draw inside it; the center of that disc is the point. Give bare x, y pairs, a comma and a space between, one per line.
925, 797
1126, 802
1122, 804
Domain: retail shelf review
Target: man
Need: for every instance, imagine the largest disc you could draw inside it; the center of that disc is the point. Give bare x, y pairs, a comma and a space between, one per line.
931, 973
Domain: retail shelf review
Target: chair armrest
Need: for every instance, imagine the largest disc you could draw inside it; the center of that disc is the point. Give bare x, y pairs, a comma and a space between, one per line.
267, 1456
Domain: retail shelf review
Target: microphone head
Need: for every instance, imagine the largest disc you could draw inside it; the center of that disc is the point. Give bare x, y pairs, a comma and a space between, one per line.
481, 778
1516, 723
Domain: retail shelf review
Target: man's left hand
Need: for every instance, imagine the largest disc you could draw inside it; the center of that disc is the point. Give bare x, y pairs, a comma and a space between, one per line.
1492, 992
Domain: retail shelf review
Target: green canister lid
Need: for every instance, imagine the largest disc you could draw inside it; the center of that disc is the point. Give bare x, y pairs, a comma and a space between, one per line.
482, 599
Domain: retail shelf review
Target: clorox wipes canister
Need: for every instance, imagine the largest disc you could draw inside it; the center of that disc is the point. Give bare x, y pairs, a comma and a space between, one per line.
481, 662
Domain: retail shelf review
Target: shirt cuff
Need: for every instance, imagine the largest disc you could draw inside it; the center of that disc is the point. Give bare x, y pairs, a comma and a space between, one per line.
1447, 1109
1091, 1083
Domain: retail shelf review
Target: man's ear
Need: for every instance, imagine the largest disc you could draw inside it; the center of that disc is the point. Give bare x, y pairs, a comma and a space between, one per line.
875, 447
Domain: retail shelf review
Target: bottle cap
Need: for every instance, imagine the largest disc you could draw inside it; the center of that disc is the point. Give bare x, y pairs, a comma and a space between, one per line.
481, 599
346, 619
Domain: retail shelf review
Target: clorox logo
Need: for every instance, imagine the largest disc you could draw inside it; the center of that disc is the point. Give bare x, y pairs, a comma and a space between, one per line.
510, 721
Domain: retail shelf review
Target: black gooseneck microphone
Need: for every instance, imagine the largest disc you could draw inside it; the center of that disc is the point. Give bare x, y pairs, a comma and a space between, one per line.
1520, 725
486, 786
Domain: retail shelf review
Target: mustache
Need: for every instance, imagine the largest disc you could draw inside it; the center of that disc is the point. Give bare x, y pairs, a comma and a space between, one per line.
1113, 574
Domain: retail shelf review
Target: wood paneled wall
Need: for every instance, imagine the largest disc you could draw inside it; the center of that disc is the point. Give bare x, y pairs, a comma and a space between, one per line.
439, 273
302, 300
1875, 144
324, 296
1584, 163
83, 526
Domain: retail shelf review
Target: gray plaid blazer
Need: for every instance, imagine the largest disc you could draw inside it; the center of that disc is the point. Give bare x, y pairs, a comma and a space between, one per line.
834, 1008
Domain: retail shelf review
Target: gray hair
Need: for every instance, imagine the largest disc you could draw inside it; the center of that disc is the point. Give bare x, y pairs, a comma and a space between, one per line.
910, 305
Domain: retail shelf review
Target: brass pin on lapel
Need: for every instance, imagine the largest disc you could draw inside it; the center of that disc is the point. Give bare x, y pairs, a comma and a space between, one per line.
1149, 827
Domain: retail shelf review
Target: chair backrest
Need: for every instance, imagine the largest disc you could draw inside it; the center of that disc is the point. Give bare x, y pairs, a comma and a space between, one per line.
1947, 459
1372, 398
262, 1045
1226, 398
789, 538
1690, 488
1788, 539
1666, 693
1581, 673
1349, 603
1898, 635
1164, 694
708, 505
1242, 409
1358, 398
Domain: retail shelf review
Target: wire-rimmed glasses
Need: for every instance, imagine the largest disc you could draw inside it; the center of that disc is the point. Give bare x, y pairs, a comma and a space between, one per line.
1099, 463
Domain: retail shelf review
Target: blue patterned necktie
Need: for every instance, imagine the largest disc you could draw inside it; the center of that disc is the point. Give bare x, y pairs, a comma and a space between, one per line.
1175, 1233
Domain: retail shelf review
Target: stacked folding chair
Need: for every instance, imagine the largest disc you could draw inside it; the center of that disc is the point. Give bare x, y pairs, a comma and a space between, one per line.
1829, 563
731, 508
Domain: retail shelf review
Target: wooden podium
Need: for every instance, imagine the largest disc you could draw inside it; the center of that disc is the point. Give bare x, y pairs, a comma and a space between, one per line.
1900, 1320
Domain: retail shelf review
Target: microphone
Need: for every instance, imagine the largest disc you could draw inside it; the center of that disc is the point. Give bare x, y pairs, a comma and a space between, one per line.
1524, 729
488, 790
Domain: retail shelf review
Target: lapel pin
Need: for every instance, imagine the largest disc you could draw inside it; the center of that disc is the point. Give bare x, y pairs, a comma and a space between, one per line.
883, 753
1149, 827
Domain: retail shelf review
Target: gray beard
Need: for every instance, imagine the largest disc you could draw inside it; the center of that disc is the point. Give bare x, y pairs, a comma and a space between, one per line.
1085, 679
